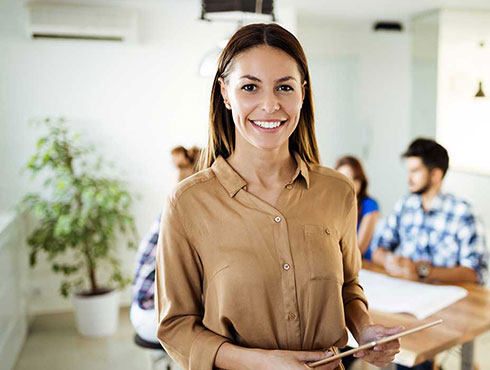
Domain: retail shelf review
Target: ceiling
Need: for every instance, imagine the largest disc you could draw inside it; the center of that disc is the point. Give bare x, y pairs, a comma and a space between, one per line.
336, 9
380, 9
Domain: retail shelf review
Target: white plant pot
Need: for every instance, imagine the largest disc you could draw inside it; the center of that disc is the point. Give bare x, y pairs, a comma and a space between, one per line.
97, 315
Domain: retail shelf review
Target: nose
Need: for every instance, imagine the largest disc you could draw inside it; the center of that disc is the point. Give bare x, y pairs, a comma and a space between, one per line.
271, 103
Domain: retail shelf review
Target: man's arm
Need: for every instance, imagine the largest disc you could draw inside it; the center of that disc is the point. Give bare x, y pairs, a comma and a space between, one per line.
458, 274
473, 251
389, 238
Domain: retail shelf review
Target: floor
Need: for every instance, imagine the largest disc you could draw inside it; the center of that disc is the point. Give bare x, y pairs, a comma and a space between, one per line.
54, 344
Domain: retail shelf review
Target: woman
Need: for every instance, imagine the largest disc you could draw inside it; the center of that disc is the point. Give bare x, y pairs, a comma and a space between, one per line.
367, 207
257, 261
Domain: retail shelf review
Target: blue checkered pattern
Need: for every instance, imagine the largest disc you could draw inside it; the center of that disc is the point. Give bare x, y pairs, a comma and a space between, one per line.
144, 281
448, 235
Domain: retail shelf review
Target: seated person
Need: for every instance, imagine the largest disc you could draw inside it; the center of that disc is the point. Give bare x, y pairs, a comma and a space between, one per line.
142, 314
367, 207
431, 235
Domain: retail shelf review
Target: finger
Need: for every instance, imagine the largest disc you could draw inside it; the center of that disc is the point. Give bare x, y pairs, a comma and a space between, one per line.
311, 356
395, 330
394, 344
359, 354
330, 366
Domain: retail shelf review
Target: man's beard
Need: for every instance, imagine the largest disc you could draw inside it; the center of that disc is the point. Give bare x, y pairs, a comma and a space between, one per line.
423, 189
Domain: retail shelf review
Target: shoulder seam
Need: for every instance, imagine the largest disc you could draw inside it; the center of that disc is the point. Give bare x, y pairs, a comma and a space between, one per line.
181, 192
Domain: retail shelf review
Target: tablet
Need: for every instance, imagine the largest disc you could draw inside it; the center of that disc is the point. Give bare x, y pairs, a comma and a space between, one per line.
372, 344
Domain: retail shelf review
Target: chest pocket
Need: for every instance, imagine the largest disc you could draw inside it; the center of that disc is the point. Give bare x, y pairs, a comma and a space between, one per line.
324, 253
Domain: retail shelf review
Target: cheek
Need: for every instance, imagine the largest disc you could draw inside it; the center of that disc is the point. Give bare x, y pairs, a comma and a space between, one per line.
243, 106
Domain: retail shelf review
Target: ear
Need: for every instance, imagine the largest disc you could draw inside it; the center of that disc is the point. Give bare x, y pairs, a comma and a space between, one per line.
437, 174
224, 91
303, 90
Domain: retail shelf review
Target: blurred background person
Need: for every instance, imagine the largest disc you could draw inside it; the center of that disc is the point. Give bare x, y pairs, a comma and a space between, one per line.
142, 314
367, 207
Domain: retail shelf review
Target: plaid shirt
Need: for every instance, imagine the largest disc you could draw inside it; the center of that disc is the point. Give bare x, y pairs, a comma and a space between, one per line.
144, 281
448, 235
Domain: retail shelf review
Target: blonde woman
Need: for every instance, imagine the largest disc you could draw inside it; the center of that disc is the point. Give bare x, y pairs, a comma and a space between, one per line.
257, 263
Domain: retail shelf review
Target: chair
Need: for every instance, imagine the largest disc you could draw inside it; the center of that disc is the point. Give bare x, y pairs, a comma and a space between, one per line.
156, 348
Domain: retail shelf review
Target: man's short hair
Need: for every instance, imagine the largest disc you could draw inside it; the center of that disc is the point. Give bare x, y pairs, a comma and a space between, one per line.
433, 154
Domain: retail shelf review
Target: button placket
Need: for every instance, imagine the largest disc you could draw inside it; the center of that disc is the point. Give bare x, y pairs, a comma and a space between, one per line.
288, 280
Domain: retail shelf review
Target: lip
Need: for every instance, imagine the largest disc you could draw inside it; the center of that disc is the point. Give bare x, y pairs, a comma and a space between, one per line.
268, 130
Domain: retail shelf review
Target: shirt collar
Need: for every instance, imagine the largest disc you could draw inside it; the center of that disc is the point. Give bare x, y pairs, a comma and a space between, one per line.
437, 202
436, 205
233, 182
301, 169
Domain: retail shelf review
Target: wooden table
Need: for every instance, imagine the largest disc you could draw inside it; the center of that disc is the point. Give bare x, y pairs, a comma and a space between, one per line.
463, 322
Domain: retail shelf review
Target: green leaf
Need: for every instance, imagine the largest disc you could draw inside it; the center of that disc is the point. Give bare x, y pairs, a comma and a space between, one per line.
78, 210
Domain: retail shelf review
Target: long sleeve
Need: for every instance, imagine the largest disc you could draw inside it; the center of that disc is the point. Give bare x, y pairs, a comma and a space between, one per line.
473, 252
389, 235
355, 303
178, 297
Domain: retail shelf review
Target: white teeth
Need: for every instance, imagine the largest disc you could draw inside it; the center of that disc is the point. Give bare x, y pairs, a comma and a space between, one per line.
267, 124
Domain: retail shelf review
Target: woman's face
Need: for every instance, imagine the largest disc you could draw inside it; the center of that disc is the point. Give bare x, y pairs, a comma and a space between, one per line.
347, 171
265, 92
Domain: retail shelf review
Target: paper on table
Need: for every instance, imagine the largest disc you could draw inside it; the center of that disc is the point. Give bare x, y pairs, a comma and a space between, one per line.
393, 295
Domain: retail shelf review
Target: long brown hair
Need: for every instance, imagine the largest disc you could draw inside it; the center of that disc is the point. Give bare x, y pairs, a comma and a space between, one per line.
221, 135
359, 175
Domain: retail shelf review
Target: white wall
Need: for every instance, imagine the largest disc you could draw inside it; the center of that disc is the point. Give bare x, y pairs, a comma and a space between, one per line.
361, 84
135, 102
447, 67
463, 122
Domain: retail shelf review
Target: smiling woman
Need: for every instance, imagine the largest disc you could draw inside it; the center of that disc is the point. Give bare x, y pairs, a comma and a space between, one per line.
257, 263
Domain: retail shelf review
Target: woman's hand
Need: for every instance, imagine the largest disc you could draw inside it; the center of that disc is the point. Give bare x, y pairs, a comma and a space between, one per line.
234, 357
382, 354
295, 360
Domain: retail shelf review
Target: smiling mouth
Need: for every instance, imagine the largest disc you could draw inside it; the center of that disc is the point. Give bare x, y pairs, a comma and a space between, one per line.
268, 124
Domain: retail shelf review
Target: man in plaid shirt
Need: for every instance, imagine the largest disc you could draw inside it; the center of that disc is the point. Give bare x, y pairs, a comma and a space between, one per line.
142, 314
432, 235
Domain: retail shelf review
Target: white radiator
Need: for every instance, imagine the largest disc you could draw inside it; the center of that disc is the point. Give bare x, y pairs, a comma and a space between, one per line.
13, 272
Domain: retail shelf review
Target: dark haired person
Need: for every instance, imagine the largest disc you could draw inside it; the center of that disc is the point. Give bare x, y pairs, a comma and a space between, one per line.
257, 261
142, 314
367, 207
431, 235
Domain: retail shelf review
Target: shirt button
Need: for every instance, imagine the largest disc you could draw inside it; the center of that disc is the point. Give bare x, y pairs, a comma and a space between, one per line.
291, 316
286, 266
327, 231
277, 219
289, 186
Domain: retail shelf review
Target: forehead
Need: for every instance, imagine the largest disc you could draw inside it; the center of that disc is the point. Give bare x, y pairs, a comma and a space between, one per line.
346, 170
265, 62
415, 162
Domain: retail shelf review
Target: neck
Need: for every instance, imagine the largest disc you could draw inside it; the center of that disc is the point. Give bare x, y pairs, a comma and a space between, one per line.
264, 167
429, 196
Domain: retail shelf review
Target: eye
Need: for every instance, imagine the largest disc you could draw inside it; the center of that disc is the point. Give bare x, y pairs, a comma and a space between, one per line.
285, 88
250, 87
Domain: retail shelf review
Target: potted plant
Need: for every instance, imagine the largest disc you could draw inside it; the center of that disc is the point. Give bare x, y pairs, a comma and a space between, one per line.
80, 213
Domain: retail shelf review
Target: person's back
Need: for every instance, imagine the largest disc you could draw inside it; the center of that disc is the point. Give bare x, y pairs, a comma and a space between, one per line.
367, 207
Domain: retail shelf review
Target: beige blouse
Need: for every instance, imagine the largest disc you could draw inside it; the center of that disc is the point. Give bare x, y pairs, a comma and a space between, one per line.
230, 267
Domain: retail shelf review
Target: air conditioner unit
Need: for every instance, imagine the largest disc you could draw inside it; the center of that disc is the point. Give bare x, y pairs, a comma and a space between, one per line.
83, 22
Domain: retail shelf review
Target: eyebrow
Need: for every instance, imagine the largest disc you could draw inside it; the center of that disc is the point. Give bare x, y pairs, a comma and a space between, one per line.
282, 79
